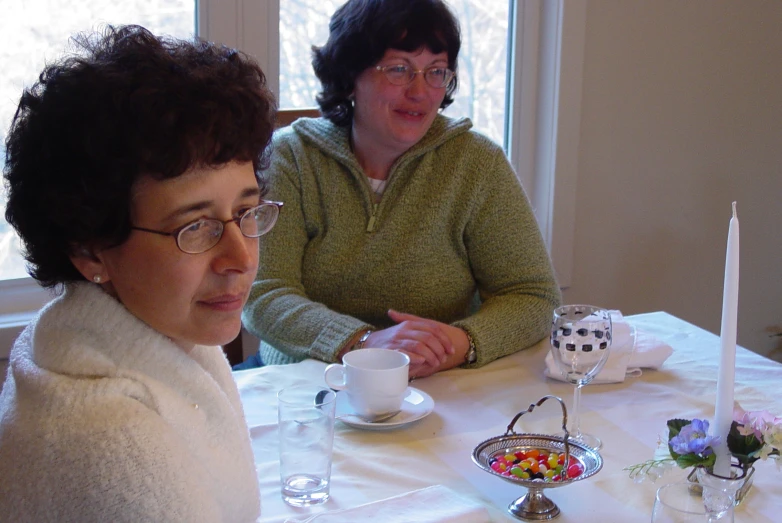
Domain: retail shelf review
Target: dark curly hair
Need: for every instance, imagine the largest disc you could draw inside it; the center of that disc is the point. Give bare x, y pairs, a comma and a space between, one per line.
361, 31
125, 103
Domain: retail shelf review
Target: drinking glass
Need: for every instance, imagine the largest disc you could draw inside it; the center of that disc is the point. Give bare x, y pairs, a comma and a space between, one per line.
306, 423
580, 343
681, 503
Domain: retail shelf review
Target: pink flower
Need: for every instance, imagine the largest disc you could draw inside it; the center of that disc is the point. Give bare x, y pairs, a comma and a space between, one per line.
754, 422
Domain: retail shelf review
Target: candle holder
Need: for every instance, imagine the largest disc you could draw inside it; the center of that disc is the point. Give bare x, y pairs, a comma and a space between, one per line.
738, 484
752, 437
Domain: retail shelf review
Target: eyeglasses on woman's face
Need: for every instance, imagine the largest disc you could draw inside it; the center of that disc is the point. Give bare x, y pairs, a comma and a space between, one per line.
402, 74
201, 235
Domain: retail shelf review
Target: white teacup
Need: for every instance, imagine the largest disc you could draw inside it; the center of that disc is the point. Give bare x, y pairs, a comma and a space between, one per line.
375, 380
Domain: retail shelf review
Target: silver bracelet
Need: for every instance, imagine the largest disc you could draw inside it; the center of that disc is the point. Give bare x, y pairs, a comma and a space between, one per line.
360, 343
472, 354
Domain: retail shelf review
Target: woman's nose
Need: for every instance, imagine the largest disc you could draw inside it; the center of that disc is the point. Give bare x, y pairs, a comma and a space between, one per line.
236, 251
417, 88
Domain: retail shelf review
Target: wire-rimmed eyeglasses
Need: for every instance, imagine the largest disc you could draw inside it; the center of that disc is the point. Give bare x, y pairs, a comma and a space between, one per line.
201, 235
401, 74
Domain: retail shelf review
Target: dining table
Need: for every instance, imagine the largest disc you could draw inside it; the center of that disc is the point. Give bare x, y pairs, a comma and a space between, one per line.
473, 405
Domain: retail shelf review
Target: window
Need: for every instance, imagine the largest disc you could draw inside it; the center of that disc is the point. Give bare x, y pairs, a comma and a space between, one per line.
34, 31
535, 111
35, 37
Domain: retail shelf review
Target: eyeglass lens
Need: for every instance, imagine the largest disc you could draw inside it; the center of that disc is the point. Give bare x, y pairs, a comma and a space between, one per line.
402, 74
203, 235
258, 221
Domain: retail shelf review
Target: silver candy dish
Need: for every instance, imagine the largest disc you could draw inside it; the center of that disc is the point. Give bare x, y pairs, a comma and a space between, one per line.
534, 505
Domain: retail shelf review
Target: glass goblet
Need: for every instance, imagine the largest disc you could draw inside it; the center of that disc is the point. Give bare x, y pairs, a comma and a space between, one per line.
681, 503
580, 343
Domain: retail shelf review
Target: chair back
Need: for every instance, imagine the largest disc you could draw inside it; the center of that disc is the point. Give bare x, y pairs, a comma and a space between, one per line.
286, 117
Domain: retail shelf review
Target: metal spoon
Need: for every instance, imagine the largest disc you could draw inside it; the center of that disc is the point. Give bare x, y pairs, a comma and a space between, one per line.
320, 396
375, 419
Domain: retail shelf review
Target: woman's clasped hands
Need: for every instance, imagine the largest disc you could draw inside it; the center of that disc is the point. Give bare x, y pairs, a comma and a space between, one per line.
431, 345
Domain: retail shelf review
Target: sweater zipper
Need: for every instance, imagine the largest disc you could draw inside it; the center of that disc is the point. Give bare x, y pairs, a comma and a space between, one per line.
371, 224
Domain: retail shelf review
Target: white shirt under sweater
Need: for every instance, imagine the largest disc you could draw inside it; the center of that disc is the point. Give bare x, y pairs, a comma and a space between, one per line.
104, 419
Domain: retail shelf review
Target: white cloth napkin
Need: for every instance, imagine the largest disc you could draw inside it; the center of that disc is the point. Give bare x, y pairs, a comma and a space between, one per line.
630, 353
435, 504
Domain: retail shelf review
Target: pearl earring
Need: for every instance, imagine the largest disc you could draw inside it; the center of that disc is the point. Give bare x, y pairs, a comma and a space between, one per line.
97, 278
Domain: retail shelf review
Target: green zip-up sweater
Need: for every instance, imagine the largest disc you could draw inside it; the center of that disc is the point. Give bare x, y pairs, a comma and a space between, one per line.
453, 220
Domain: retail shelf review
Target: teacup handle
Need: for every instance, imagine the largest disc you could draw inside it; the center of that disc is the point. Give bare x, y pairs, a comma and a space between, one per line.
335, 376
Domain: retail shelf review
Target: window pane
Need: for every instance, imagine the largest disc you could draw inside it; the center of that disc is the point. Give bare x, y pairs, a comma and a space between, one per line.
483, 64
302, 24
34, 31
482, 60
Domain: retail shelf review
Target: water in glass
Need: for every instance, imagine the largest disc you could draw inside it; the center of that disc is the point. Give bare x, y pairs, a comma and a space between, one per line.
306, 428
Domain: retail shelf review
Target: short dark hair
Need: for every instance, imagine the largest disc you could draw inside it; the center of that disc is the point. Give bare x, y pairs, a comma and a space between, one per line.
361, 31
125, 103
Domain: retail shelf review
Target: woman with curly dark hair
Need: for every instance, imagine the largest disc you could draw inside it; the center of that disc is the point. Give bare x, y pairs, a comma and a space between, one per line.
133, 177
406, 230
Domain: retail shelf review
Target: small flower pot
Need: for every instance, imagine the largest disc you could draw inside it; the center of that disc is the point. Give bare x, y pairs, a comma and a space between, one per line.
738, 485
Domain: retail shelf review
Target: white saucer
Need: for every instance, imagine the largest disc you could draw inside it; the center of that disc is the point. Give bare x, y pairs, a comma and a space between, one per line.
416, 405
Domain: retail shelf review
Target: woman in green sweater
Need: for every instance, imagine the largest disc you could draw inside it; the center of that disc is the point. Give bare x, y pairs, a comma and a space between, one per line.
402, 229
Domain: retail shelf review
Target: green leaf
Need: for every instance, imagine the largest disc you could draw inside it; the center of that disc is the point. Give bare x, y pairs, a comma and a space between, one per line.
742, 446
688, 460
693, 460
675, 426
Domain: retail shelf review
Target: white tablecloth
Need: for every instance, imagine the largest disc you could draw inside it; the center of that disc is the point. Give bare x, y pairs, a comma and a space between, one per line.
474, 405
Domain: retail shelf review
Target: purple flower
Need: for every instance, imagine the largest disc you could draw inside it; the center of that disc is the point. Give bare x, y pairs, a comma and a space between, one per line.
693, 439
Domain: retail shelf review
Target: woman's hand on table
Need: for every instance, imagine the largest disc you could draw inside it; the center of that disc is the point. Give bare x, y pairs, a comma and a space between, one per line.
431, 345
423, 340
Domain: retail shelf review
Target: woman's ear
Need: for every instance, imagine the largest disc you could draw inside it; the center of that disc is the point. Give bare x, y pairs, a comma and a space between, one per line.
88, 262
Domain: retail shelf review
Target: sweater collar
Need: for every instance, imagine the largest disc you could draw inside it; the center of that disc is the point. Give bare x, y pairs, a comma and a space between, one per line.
334, 140
87, 332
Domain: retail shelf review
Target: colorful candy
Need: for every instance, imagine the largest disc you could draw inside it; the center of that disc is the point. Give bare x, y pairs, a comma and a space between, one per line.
537, 465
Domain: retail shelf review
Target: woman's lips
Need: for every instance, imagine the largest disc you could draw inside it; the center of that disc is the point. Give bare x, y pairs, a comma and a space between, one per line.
225, 302
411, 115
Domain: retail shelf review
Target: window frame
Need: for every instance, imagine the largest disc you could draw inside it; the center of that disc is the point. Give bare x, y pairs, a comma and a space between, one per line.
249, 25
543, 127
545, 113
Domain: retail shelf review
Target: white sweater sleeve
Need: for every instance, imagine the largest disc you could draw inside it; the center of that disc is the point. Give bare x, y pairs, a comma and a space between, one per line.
99, 469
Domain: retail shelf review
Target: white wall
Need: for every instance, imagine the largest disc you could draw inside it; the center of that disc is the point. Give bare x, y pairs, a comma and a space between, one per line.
681, 114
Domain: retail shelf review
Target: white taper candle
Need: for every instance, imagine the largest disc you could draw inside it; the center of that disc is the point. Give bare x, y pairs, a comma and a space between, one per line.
723, 410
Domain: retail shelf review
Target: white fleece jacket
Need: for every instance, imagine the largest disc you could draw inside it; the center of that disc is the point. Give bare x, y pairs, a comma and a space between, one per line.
104, 419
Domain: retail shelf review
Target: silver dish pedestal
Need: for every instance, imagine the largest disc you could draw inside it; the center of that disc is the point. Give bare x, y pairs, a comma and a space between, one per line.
534, 505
